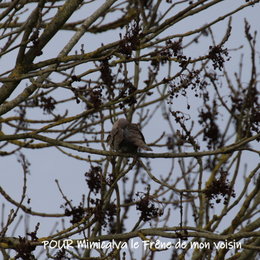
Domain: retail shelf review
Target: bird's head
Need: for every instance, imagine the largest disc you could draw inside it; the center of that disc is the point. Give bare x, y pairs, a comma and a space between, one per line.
121, 123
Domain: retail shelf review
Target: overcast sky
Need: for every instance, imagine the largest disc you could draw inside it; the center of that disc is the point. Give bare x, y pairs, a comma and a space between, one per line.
50, 164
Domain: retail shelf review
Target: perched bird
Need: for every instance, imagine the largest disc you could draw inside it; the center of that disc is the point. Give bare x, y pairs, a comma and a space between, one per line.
126, 137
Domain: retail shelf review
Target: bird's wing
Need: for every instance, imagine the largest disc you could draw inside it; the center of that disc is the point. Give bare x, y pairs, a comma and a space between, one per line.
133, 134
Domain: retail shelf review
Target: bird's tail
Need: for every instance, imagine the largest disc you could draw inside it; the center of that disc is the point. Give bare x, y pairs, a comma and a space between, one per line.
146, 147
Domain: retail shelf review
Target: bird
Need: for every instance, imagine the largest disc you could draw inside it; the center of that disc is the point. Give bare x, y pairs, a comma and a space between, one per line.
126, 137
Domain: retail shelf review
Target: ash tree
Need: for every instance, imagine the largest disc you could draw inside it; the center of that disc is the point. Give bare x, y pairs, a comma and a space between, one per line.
185, 74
